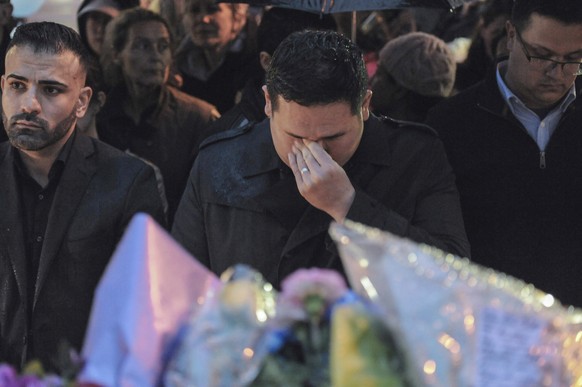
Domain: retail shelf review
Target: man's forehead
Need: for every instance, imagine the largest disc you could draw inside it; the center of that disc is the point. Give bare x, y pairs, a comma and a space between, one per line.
41, 53
22, 59
547, 33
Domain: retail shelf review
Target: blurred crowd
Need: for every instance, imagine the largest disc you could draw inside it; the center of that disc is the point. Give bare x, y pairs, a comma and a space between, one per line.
213, 58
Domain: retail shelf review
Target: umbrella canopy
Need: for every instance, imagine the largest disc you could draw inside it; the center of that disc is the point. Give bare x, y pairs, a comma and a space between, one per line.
335, 6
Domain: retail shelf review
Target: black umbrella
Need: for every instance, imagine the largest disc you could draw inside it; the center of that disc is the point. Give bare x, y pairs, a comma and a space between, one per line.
337, 6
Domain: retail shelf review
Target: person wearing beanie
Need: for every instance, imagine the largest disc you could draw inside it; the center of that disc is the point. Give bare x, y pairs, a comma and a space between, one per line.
93, 16
415, 71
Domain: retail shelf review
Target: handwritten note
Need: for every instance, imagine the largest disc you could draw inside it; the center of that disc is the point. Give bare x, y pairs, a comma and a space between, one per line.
504, 349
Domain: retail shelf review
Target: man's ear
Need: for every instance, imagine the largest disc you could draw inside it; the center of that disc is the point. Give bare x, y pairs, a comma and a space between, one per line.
264, 60
268, 105
100, 98
83, 101
366, 105
239, 21
511, 34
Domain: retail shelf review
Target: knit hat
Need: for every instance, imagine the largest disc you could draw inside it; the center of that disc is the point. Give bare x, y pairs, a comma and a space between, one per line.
109, 7
420, 62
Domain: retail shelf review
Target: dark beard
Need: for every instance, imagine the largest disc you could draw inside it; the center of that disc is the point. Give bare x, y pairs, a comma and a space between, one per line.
36, 139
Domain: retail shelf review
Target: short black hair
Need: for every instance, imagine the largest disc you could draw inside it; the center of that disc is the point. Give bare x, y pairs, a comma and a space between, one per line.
564, 11
52, 38
277, 23
317, 68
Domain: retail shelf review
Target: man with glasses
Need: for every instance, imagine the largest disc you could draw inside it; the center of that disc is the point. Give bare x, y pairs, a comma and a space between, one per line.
515, 143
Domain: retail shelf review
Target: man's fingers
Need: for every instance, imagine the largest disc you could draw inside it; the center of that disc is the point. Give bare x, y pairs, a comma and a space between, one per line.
300, 168
293, 162
316, 151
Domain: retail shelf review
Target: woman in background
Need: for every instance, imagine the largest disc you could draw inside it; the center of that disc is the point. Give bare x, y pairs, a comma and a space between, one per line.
143, 114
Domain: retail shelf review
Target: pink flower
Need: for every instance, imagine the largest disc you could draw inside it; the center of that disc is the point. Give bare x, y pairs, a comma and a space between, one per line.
303, 286
328, 284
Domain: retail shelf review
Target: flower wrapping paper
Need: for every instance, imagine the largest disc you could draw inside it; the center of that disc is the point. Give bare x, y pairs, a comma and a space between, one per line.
219, 344
462, 324
149, 289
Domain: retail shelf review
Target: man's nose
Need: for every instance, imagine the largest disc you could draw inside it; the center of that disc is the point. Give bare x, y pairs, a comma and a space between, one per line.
202, 17
555, 70
99, 29
30, 103
206, 18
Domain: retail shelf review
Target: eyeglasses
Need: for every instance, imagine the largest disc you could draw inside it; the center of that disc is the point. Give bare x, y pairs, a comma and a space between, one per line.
542, 63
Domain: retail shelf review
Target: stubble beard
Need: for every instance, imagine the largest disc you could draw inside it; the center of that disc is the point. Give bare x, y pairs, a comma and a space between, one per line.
36, 139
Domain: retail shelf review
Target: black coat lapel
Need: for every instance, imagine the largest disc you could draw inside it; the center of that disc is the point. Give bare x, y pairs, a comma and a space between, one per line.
11, 233
76, 176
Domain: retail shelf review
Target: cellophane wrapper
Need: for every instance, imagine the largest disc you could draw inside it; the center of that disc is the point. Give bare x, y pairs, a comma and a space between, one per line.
462, 324
218, 347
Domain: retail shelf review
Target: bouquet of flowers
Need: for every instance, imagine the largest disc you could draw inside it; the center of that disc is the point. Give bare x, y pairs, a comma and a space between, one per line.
32, 376
67, 361
420, 318
323, 335
314, 333
180, 325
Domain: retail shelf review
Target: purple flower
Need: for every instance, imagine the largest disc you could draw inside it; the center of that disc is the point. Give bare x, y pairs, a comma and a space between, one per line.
53, 381
8, 377
31, 381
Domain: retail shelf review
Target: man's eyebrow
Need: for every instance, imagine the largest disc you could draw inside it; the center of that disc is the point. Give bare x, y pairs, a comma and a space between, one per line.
576, 53
333, 136
551, 52
323, 138
53, 83
42, 82
293, 135
17, 77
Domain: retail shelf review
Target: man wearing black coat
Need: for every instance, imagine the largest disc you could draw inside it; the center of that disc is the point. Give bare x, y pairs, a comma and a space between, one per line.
265, 194
65, 198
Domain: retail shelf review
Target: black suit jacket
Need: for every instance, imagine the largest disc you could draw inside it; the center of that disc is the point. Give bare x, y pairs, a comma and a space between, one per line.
99, 191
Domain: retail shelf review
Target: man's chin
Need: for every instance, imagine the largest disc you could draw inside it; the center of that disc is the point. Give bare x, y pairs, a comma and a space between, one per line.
207, 42
26, 143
